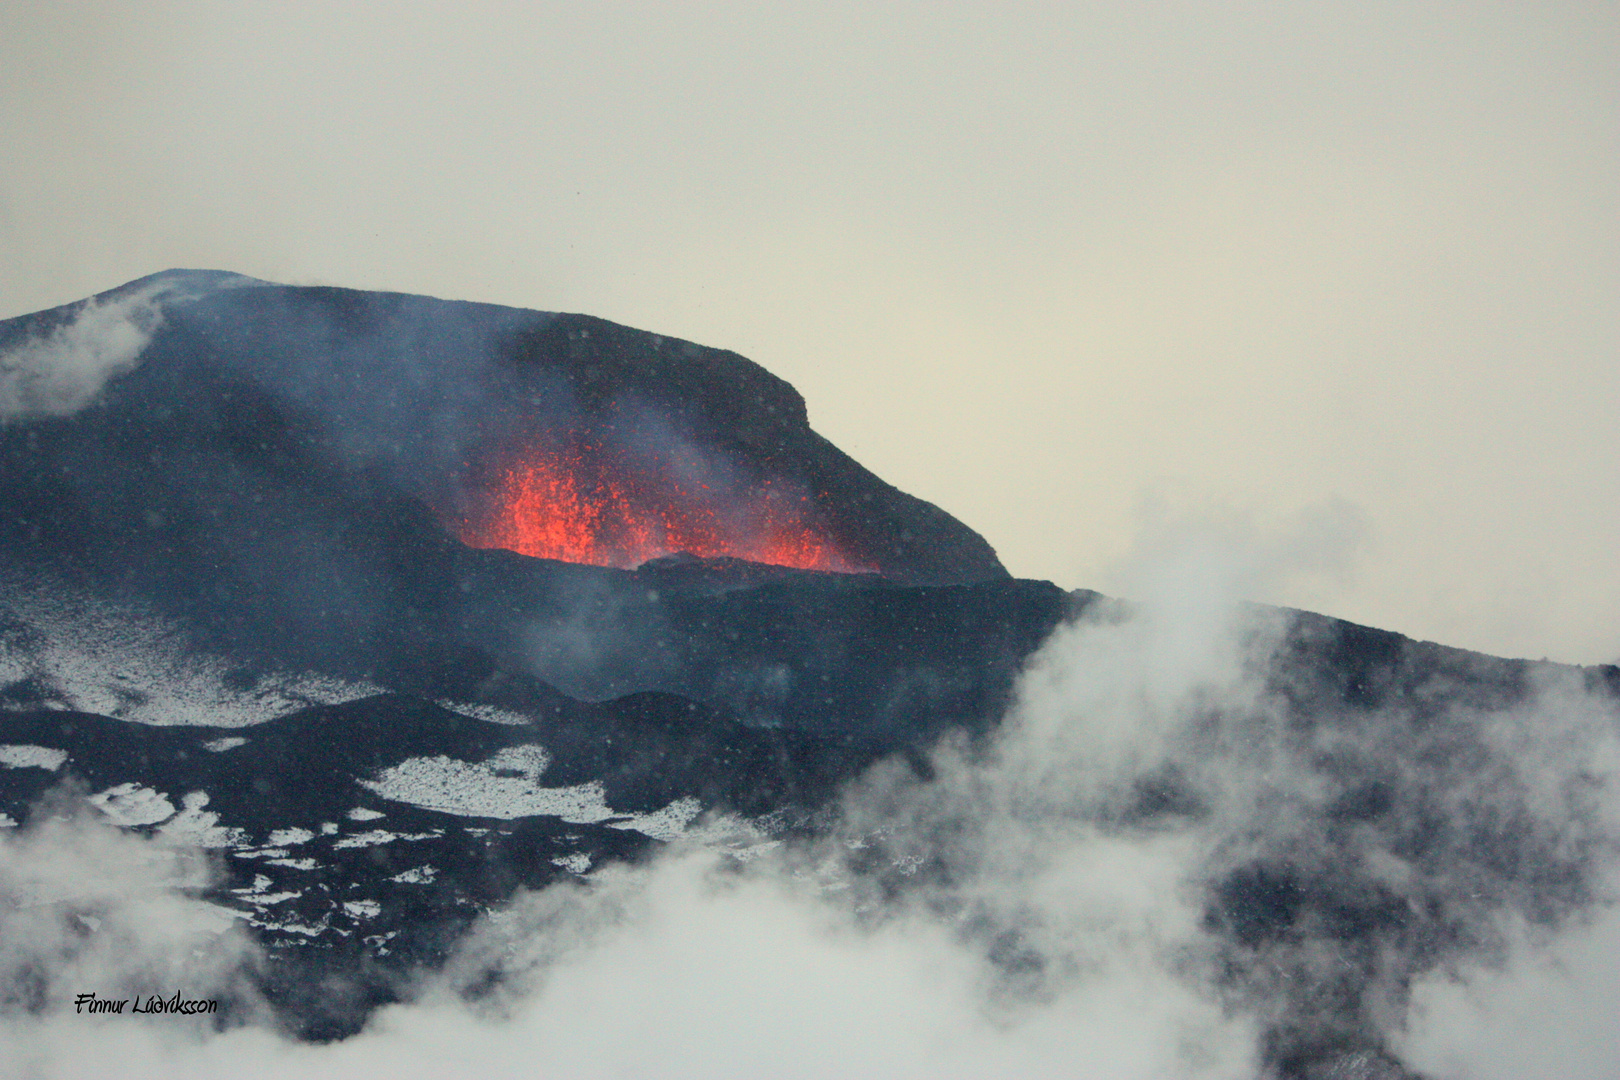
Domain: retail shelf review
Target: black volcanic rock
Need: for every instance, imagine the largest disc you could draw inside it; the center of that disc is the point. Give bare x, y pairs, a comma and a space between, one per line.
273, 474
235, 610
730, 402
310, 399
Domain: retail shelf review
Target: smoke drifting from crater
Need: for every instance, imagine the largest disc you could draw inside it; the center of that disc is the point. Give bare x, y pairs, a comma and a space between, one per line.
61, 371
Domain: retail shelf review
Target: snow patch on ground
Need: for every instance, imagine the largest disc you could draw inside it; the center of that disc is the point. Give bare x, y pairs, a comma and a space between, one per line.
92, 656
259, 894
362, 909
294, 864
25, 756
577, 863
381, 836
131, 805
291, 926
507, 786
201, 827
494, 714
260, 853
667, 824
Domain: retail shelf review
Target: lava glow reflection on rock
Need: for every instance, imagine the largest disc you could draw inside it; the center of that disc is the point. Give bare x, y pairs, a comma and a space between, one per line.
587, 505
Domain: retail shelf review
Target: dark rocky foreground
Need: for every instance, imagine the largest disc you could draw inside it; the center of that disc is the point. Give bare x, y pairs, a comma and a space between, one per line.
234, 597
234, 610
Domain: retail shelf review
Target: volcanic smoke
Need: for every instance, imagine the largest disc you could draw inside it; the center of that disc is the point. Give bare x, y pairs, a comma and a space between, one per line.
586, 504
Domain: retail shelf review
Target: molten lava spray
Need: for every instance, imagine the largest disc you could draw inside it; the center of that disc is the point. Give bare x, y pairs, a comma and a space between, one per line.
588, 505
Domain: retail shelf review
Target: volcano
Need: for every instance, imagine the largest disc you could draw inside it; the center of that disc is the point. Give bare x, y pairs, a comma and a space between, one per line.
401, 606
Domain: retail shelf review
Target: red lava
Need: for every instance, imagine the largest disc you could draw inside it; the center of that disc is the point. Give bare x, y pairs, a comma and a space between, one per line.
584, 506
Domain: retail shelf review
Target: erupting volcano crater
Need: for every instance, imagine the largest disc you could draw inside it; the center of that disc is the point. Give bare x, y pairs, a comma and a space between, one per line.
579, 499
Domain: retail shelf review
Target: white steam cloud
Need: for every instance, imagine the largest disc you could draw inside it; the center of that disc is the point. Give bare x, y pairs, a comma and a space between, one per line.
59, 373
1171, 860
85, 908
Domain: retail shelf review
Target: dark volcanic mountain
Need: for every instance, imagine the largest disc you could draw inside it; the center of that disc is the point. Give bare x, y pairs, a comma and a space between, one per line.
402, 605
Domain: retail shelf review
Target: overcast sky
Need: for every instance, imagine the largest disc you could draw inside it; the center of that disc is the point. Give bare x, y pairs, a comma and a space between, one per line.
1335, 283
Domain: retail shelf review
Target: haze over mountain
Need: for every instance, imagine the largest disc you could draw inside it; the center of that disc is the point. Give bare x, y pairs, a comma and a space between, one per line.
435, 624
1087, 276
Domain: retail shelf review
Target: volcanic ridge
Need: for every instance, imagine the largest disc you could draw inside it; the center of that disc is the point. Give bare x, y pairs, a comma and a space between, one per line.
401, 606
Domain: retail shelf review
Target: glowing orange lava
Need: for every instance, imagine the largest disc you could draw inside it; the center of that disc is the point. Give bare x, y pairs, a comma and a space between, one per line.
585, 506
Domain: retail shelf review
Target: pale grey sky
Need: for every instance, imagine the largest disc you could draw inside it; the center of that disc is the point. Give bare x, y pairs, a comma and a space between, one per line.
1336, 284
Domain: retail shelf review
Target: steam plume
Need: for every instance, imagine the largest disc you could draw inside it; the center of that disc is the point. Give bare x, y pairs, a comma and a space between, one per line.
61, 372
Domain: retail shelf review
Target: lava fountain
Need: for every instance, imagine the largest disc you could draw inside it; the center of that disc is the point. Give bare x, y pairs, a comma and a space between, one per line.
586, 503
